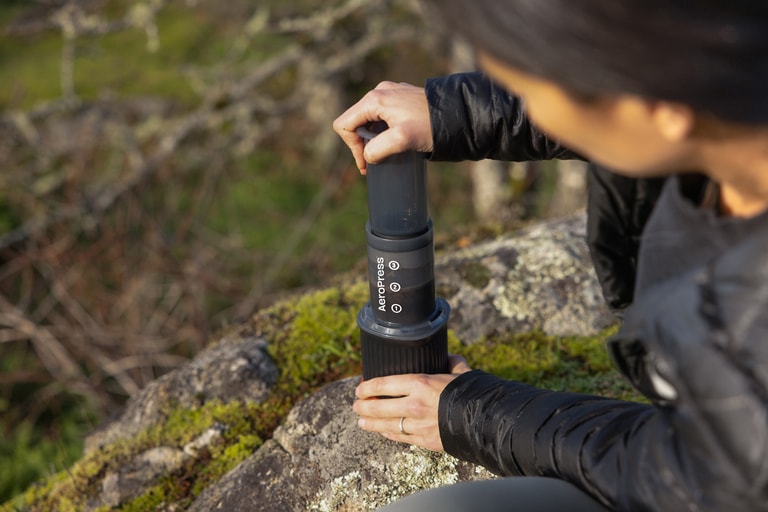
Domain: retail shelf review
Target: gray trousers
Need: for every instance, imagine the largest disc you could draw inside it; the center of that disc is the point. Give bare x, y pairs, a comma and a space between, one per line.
513, 494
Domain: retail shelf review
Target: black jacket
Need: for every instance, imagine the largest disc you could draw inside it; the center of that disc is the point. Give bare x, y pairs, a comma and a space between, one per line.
695, 342
472, 119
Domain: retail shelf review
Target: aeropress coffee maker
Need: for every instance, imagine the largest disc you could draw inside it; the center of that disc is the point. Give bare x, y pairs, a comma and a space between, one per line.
403, 329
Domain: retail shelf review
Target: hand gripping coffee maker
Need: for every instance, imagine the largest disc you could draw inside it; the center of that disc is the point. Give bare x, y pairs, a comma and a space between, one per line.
403, 329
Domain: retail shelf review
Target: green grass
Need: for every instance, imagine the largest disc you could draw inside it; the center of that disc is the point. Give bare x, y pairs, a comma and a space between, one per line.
265, 198
28, 453
31, 450
268, 202
36, 442
120, 64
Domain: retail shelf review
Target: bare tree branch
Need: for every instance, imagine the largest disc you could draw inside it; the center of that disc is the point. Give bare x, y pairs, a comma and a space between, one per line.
110, 274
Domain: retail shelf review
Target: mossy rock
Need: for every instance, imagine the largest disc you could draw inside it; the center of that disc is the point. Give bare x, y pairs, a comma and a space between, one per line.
197, 436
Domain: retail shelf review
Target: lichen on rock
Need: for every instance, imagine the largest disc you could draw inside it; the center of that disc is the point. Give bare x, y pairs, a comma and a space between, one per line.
320, 460
537, 279
412, 470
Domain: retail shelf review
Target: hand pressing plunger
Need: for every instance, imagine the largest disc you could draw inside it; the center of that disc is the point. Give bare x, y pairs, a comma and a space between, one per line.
403, 107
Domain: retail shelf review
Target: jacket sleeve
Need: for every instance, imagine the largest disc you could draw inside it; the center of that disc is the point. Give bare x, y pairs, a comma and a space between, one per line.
702, 446
515, 429
472, 118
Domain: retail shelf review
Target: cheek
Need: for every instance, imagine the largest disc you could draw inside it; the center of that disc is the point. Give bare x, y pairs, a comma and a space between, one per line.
628, 149
565, 127
619, 148
633, 156
557, 123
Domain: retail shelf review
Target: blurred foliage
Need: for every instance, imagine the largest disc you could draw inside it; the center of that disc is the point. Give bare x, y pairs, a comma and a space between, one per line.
168, 168
29, 451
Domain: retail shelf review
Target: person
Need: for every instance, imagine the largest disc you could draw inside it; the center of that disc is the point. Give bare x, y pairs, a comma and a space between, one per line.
672, 96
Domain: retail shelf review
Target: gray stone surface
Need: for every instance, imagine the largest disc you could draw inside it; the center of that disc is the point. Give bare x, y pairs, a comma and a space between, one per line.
319, 460
132, 479
537, 279
233, 369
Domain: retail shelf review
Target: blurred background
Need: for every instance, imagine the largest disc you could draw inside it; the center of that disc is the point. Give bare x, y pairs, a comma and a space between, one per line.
167, 168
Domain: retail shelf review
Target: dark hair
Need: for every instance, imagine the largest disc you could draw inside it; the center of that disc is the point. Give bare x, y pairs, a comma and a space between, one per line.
711, 55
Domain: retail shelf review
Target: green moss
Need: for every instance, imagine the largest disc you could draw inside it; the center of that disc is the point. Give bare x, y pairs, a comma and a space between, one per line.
244, 425
322, 339
156, 498
591, 350
524, 357
576, 364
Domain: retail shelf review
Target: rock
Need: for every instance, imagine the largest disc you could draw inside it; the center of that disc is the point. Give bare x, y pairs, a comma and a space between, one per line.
320, 460
134, 478
233, 369
538, 279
